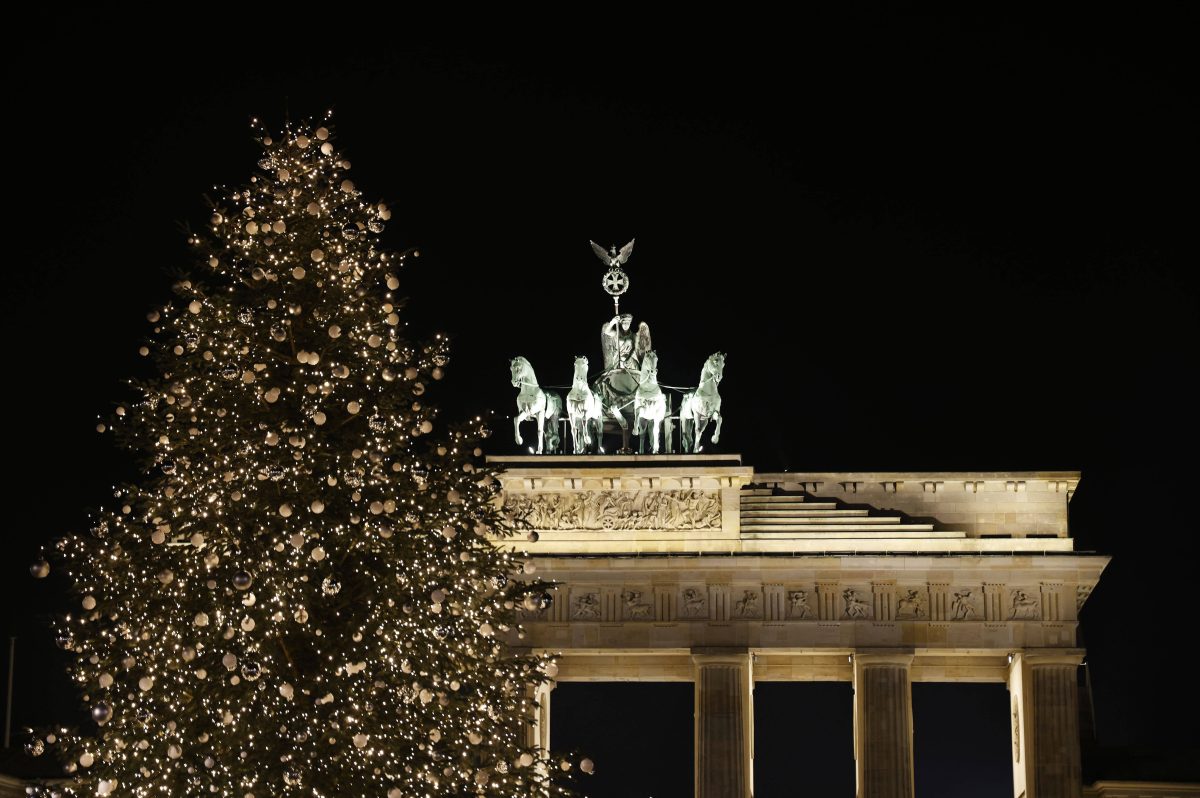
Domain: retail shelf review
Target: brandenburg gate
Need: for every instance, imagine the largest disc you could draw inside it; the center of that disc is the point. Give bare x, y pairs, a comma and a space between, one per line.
691, 566
696, 568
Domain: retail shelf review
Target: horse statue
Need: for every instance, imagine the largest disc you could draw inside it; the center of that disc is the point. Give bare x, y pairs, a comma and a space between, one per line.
533, 402
649, 403
702, 405
584, 409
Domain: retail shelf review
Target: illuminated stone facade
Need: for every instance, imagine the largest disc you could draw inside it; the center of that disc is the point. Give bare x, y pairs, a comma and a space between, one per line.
698, 569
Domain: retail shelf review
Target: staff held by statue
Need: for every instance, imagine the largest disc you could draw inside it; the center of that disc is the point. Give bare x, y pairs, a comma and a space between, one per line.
615, 280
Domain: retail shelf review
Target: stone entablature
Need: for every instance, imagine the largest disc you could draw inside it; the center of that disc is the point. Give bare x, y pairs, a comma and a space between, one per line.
1007, 503
970, 602
667, 504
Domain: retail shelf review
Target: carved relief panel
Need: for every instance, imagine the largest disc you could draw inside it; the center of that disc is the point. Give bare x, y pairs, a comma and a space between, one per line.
693, 602
617, 509
747, 602
801, 604
856, 604
585, 605
912, 604
965, 604
1024, 605
637, 604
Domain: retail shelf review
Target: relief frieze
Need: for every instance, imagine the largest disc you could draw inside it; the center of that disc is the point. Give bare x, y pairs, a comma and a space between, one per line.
750, 602
618, 510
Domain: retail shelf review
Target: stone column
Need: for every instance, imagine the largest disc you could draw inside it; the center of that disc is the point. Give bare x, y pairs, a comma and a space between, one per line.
724, 723
539, 732
1045, 724
883, 726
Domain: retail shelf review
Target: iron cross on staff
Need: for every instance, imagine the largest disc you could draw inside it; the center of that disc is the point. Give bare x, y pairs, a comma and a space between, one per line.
616, 281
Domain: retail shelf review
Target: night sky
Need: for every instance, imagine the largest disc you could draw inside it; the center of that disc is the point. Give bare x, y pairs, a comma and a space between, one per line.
924, 242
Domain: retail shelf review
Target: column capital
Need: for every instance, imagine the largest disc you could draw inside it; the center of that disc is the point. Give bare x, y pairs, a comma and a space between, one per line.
867, 657
720, 655
1050, 656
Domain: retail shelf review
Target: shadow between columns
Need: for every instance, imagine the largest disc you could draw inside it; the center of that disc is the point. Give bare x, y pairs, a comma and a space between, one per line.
803, 739
640, 734
962, 741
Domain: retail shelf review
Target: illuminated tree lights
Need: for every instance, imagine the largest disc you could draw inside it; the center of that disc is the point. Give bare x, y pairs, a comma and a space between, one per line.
300, 597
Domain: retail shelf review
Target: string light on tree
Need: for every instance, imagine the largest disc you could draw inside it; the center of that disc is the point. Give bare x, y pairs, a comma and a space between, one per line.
300, 597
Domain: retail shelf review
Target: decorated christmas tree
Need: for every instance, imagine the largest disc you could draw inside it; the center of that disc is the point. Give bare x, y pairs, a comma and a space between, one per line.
301, 595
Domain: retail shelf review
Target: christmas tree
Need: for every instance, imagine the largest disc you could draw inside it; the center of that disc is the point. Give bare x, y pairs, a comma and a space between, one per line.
302, 595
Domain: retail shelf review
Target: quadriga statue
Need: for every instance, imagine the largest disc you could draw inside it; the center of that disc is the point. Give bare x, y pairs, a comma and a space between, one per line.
703, 405
649, 403
533, 402
585, 410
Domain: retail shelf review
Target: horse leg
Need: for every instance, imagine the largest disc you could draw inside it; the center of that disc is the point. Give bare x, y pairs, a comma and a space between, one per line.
576, 434
701, 428
541, 425
668, 430
554, 424
717, 432
654, 429
517, 427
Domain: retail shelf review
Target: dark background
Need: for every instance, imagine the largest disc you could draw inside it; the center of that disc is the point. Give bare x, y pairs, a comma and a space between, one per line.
925, 241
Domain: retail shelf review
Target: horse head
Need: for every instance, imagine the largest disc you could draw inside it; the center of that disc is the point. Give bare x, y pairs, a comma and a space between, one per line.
716, 366
649, 363
581, 367
519, 367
